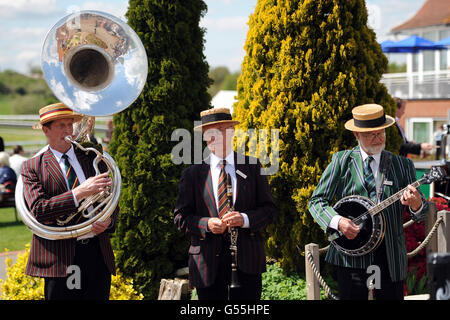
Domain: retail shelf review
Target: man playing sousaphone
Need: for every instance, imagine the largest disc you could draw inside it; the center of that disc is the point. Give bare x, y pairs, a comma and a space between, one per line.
203, 212
55, 182
370, 171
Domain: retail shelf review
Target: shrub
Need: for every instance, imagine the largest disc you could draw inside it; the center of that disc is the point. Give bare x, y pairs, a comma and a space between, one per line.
307, 64
278, 286
19, 286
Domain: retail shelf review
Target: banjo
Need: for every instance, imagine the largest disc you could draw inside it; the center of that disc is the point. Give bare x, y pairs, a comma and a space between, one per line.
365, 213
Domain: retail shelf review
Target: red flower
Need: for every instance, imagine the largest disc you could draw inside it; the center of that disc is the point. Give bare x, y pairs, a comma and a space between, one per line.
414, 235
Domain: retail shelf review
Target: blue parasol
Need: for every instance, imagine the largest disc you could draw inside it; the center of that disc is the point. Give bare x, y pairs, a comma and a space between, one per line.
411, 44
444, 42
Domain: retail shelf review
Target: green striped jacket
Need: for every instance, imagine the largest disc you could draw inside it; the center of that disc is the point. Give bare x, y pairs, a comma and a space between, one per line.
344, 177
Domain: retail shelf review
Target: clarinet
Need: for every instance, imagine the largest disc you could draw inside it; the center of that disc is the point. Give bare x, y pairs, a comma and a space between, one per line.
233, 238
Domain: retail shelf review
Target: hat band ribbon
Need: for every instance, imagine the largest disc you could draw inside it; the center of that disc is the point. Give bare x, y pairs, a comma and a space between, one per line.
215, 117
370, 123
56, 112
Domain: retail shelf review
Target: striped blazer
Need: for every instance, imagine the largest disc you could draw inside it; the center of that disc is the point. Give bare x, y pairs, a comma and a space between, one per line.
48, 198
344, 177
196, 204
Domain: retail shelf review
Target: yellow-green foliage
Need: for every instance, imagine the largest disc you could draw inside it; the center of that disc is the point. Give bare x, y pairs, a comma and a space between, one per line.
307, 64
19, 286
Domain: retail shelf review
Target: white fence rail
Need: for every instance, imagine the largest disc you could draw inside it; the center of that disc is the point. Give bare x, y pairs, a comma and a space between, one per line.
418, 85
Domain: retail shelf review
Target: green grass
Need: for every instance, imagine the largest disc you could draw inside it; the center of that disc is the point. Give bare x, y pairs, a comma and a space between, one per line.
10, 134
21, 134
14, 235
6, 103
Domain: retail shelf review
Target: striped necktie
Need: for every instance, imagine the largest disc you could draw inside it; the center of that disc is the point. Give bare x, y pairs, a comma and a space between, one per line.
369, 179
222, 190
70, 173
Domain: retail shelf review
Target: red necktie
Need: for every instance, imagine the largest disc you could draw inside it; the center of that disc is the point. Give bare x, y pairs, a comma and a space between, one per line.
222, 190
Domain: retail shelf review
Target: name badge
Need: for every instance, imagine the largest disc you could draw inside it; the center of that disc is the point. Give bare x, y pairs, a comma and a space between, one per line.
387, 183
239, 172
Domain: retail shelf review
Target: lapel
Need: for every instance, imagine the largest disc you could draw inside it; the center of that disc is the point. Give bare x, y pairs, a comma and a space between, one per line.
207, 189
357, 171
386, 188
207, 186
85, 164
240, 181
54, 171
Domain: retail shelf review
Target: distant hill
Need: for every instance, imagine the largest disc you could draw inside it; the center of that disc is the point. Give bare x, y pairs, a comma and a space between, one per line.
21, 94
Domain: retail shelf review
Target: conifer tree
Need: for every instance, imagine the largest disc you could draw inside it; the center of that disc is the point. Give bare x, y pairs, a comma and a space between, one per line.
146, 242
307, 64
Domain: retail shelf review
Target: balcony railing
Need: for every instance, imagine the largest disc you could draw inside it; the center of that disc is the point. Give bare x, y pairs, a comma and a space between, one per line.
418, 85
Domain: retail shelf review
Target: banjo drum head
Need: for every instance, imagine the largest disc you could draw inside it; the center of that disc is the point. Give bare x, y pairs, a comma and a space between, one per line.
370, 228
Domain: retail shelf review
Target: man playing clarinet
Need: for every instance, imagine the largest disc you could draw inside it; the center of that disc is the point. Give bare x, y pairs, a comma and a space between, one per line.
204, 211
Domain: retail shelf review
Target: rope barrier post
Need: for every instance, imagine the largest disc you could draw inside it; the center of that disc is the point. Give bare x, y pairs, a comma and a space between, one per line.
443, 232
312, 283
429, 223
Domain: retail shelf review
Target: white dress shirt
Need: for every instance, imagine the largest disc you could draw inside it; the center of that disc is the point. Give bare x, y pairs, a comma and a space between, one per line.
79, 172
215, 173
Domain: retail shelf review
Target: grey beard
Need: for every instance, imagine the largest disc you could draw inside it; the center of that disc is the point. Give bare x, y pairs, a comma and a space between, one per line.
372, 150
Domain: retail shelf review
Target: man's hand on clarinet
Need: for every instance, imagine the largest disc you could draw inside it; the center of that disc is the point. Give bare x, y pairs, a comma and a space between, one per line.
233, 219
216, 226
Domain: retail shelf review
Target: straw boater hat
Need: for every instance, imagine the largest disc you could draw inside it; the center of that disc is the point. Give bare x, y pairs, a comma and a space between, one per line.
56, 111
369, 117
214, 116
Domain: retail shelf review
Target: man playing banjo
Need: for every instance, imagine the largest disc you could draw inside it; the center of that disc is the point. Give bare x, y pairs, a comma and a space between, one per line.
368, 171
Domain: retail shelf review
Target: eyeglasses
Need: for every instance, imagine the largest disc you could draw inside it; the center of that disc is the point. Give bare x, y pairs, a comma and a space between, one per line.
370, 135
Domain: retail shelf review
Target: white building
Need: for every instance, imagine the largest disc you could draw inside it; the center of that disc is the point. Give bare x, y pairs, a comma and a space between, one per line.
426, 83
427, 72
224, 99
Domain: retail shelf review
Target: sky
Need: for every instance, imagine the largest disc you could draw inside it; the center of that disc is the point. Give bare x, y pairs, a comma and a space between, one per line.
25, 23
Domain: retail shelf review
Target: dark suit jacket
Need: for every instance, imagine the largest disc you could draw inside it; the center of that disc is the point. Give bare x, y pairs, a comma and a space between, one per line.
48, 198
406, 146
196, 205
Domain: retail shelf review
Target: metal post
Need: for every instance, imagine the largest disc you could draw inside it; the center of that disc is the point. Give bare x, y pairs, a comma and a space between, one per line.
312, 283
443, 232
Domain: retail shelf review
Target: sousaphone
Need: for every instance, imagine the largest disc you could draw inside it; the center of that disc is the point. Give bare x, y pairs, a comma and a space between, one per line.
96, 65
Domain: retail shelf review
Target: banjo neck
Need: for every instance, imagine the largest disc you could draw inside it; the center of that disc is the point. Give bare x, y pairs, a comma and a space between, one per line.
387, 202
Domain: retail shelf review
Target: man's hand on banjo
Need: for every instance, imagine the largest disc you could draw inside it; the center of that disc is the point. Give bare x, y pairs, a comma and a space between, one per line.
348, 228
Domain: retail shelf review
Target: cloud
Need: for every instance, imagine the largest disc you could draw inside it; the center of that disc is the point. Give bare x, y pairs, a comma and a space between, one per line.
115, 10
26, 32
15, 8
237, 23
386, 14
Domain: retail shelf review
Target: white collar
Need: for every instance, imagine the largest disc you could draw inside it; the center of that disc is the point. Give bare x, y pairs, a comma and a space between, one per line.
214, 160
58, 155
364, 156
